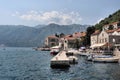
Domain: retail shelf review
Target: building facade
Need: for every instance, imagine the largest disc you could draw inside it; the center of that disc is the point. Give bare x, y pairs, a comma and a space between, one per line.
110, 34
70, 41
51, 41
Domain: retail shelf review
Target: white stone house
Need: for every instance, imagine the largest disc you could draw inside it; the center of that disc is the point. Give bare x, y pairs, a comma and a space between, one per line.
115, 25
106, 36
94, 38
103, 37
69, 42
51, 41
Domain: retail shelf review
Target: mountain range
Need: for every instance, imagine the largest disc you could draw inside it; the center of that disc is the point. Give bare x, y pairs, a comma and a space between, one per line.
25, 36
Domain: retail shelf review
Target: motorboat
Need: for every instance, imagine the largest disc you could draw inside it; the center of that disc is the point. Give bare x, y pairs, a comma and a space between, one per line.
54, 51
102, 58
106, 60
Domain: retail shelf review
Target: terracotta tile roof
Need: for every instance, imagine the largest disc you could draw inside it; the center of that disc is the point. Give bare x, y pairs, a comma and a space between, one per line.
83, 34
110, 31
70, 38
96, 32
52, 36
111, 23
118, 30
79, 34
67, 36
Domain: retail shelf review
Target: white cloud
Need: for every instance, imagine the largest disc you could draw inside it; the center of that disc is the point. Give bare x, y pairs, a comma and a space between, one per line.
50, 17
16, 13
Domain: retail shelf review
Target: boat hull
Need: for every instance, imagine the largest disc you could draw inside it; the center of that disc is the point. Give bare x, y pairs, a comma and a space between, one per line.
106, 60
54, 53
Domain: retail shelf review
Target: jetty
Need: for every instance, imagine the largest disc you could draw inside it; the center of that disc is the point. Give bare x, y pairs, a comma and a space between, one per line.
42, 49
60, 60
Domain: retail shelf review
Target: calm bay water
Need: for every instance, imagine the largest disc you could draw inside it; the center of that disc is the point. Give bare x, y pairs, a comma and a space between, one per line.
27, 64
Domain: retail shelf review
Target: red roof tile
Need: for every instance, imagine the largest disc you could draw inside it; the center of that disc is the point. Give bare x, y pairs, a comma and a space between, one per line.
52, 36
111, 23
118, 30
79, 34
96, 32
110, 31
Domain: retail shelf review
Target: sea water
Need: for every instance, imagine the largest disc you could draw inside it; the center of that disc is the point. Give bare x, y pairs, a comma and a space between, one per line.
28, 64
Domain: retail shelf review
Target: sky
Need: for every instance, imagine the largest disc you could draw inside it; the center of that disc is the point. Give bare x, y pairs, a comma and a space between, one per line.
65, 12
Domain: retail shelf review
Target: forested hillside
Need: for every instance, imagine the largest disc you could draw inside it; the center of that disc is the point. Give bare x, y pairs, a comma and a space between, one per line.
110, 19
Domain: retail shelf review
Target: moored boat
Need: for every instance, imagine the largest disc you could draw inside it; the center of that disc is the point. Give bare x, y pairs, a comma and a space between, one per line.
90, 57
54, 51
103, 58
106, 60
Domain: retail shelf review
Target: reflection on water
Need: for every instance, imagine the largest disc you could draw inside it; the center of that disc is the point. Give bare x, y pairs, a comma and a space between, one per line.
27, 64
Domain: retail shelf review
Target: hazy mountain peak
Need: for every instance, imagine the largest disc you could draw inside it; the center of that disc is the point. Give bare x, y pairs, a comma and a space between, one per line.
32, 36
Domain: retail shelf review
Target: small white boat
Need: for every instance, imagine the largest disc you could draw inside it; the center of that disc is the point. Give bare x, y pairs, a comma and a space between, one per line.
54, 51
102, 58
82, 49
107, 59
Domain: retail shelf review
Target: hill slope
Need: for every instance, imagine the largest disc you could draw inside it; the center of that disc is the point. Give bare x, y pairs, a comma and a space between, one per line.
111, 18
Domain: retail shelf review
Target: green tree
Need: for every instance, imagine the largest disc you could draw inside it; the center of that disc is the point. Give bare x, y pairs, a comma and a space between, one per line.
108, 20
89, 31
56, 35
61, 34
77, 43
111, 27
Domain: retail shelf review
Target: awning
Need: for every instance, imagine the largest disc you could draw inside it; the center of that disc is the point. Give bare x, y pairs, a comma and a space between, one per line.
97, 45
55, 47
107, 44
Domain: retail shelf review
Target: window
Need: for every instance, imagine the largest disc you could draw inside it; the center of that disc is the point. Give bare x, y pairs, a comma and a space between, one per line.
105, 39
52, 40
65, 41
102, 34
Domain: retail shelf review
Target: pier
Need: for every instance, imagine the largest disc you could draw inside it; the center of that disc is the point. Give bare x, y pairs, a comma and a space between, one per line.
60, 60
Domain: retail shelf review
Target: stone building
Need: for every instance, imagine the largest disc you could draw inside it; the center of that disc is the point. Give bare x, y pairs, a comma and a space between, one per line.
51, 41
107, 35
